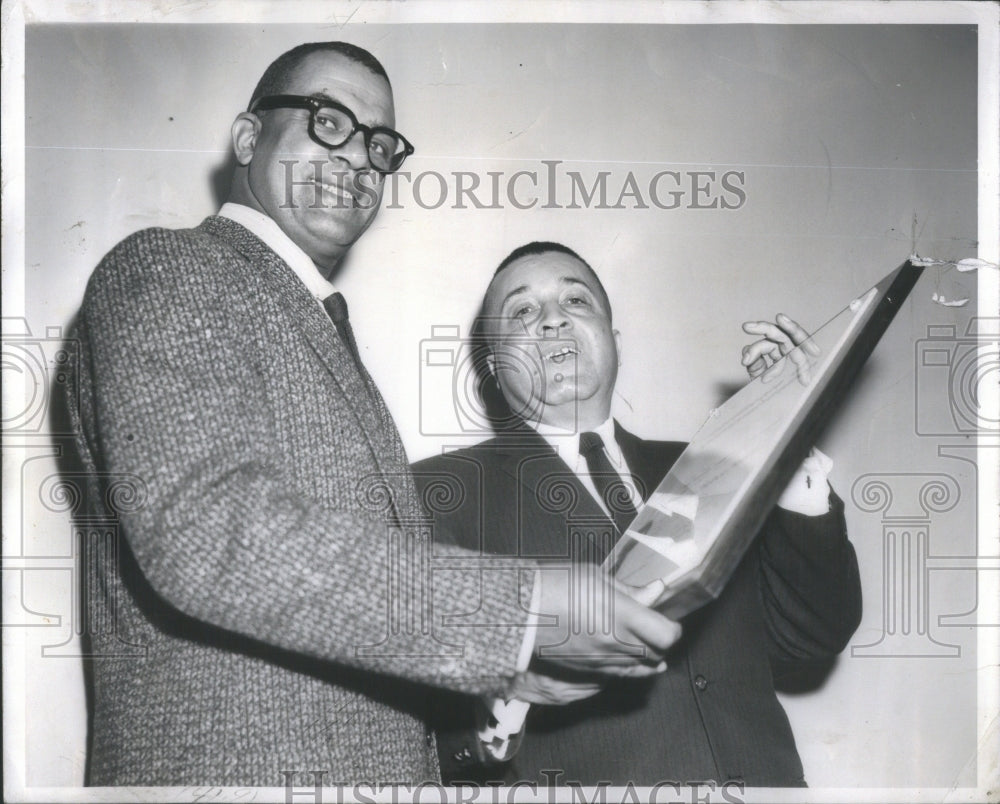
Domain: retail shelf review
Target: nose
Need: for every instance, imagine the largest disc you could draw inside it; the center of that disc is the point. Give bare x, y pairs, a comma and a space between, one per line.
354, 152
552, 321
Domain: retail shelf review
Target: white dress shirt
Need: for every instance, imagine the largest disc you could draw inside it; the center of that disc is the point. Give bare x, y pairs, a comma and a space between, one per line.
282, 245
567, 445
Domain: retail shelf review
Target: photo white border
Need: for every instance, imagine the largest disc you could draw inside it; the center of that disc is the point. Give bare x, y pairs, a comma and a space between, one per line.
985, 15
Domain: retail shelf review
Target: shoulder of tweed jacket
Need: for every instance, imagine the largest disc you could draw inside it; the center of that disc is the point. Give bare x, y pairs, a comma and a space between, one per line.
213, 377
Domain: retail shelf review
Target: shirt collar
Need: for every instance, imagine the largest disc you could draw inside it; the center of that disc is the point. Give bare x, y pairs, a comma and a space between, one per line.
566, 443
282, 245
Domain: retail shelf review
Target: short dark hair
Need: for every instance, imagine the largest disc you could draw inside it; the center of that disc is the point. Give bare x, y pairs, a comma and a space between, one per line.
549, 247
276, 76
537, 247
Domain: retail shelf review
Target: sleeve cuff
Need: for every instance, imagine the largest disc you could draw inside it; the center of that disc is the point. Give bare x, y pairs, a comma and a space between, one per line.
808, 492
810, 534
531, 627
499, 723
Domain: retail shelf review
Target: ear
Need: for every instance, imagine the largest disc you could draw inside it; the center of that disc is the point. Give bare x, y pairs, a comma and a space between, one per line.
246, 128
618, 344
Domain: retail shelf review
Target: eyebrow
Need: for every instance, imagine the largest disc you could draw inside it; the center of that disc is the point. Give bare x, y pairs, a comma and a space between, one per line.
566, 280
322, 96
513, 293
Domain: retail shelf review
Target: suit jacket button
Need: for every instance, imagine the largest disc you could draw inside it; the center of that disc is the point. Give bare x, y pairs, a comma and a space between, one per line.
430, 739
701, 683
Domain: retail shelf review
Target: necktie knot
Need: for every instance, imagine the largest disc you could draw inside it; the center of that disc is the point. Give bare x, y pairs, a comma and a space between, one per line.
336, 307
589, 442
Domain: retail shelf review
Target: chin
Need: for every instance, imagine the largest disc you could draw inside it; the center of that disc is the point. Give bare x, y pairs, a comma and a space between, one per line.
342, 233
567, 390
560, 405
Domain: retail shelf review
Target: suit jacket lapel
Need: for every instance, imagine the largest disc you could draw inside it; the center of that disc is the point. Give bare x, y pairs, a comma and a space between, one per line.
649, 460
646, 473
534, 464
280, 282
547, 483
550, 492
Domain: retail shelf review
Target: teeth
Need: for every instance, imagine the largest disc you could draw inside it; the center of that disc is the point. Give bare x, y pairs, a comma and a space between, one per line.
334, 190
560, 355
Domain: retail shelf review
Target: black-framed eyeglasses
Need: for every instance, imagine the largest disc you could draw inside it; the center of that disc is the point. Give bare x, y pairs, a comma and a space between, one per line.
332, 124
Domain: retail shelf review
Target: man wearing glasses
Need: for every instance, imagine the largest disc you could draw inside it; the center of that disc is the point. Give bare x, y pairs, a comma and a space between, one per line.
244, 627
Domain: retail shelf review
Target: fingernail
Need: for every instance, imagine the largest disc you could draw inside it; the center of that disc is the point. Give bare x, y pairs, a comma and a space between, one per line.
661, 667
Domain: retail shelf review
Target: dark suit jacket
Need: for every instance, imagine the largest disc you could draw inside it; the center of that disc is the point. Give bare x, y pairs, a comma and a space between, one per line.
244, 555
713, 715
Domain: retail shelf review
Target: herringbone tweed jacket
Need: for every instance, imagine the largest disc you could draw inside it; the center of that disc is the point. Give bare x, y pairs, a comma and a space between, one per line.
259, 590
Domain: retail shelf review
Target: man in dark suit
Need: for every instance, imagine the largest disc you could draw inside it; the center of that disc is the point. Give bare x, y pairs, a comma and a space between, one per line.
261, 608
539, 489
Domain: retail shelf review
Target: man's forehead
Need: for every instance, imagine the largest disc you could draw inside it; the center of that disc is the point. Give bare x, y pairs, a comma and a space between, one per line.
340, 78
524, 274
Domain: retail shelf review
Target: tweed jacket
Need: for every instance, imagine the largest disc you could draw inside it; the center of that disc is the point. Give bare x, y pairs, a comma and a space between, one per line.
258, 591
713, 715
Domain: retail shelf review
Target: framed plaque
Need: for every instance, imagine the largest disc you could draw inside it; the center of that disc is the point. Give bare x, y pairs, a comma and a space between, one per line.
696, 526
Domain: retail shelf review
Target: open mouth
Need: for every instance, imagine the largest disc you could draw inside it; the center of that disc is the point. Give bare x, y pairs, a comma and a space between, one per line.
560, 355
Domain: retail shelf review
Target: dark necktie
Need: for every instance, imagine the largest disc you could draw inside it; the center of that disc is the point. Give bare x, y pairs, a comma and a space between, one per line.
609, 484
336, 307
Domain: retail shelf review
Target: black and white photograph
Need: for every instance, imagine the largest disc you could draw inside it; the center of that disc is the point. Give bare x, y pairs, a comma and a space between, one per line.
491, 402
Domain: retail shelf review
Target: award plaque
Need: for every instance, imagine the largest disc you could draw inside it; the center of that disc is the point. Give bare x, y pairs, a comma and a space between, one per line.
696, 526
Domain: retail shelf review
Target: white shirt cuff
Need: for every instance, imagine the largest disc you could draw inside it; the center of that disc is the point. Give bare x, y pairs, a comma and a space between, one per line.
499, 724
498, 720
808, 492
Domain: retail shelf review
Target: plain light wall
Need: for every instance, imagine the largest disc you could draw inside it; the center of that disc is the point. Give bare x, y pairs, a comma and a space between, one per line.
845, 136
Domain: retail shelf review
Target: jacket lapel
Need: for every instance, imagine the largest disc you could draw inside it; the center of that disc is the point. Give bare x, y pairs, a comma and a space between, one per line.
548, 486
552, 502
649, 461
279, 282
643, 471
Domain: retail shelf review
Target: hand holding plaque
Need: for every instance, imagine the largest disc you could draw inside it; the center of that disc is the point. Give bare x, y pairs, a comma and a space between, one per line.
780, 339
696, 526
